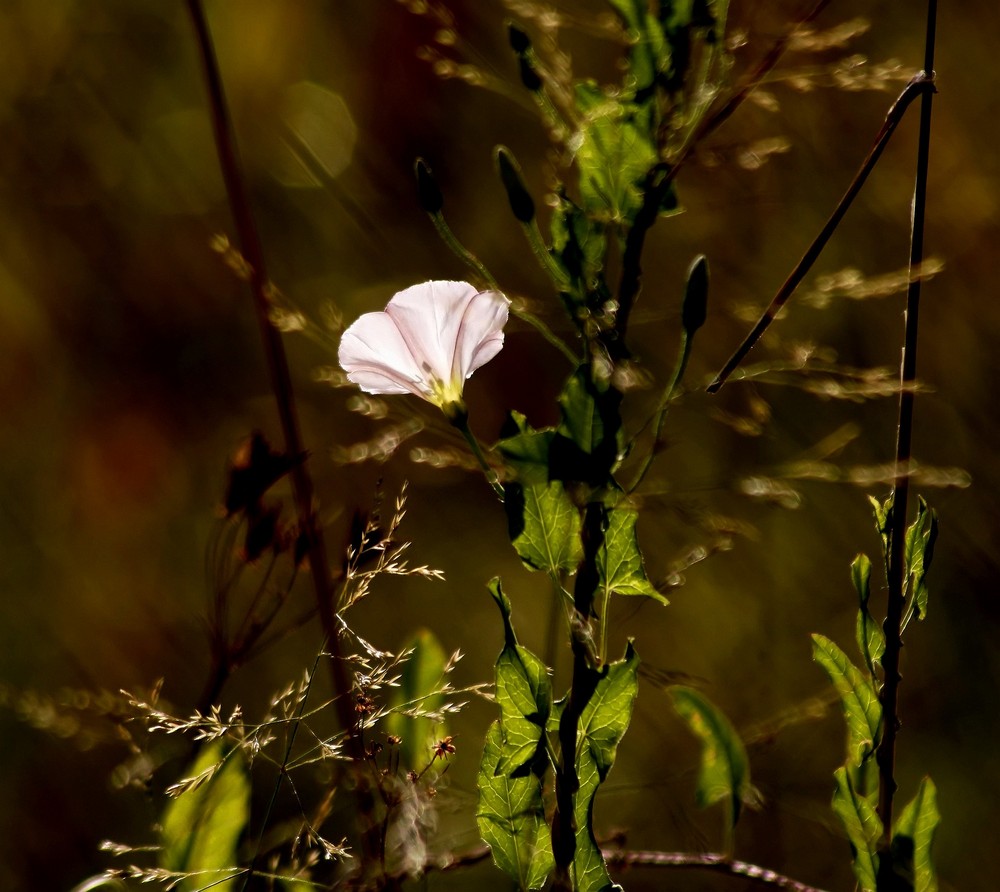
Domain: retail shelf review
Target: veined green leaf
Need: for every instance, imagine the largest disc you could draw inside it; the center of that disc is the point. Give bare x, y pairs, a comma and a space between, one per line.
614, 155
913, 837
870, 637
578, 243
527, 451
589, 870
857, 694
619, 561
864, 829
883, 524
920, 539
607, 714
544, 526
511, 818
201, 828
524, 695
725, 768
589, 438
602, 725
419, 689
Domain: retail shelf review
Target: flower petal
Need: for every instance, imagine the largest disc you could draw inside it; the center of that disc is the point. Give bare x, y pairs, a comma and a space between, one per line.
480, 336
377, 358
429, 317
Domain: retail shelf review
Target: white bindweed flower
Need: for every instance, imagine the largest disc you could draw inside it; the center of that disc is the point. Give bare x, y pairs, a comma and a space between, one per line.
428, 340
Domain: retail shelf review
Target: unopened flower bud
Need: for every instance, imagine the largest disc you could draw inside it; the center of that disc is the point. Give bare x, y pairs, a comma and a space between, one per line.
521, 202
695, 307
428, 193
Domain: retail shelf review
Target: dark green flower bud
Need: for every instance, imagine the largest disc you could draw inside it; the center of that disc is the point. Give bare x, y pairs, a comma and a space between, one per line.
520, 43
428, 193
695, 306
521, 202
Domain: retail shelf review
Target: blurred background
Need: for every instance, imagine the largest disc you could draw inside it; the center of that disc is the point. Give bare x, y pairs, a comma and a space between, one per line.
131, 372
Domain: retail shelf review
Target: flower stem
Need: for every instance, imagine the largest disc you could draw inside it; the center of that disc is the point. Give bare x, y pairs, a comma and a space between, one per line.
463, 253
479, 268
661, 412
461, 421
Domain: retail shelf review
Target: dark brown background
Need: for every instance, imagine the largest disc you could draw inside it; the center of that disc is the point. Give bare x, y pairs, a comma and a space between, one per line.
130, 370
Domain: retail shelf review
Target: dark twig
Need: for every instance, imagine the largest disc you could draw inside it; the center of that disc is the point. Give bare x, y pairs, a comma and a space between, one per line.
920, 84
885, 755
708, 861
624, 859
658, 183
277, 363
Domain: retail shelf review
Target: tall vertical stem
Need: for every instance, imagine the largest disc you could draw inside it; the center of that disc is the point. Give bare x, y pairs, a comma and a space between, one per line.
886, 754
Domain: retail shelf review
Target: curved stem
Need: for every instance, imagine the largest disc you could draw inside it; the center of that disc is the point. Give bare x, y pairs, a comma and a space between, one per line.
462, 423
661, 411
479, 268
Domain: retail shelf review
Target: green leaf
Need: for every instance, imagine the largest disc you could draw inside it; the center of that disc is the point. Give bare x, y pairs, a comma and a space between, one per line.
605, 718
725, 769
913, 837
602, 725
511, 818
883, 525
578, 244
590, 438
920, 539
527, 451
615, 153
544, 526
864, 829
419, 688
200, 829
619, 561
524, 695
869, 634
589, 870
857, 694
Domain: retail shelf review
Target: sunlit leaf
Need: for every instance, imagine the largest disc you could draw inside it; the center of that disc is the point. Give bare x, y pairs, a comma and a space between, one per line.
511, 818
527, 451
419, 688
578, 244
870, 637
615, 153
606, 716
200, 829
863, 827
883, 524
724, 773
589, 870
590, 438
619, 561
544, 526
857, 694
602, 725
920, 539
523, 692
913, 837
